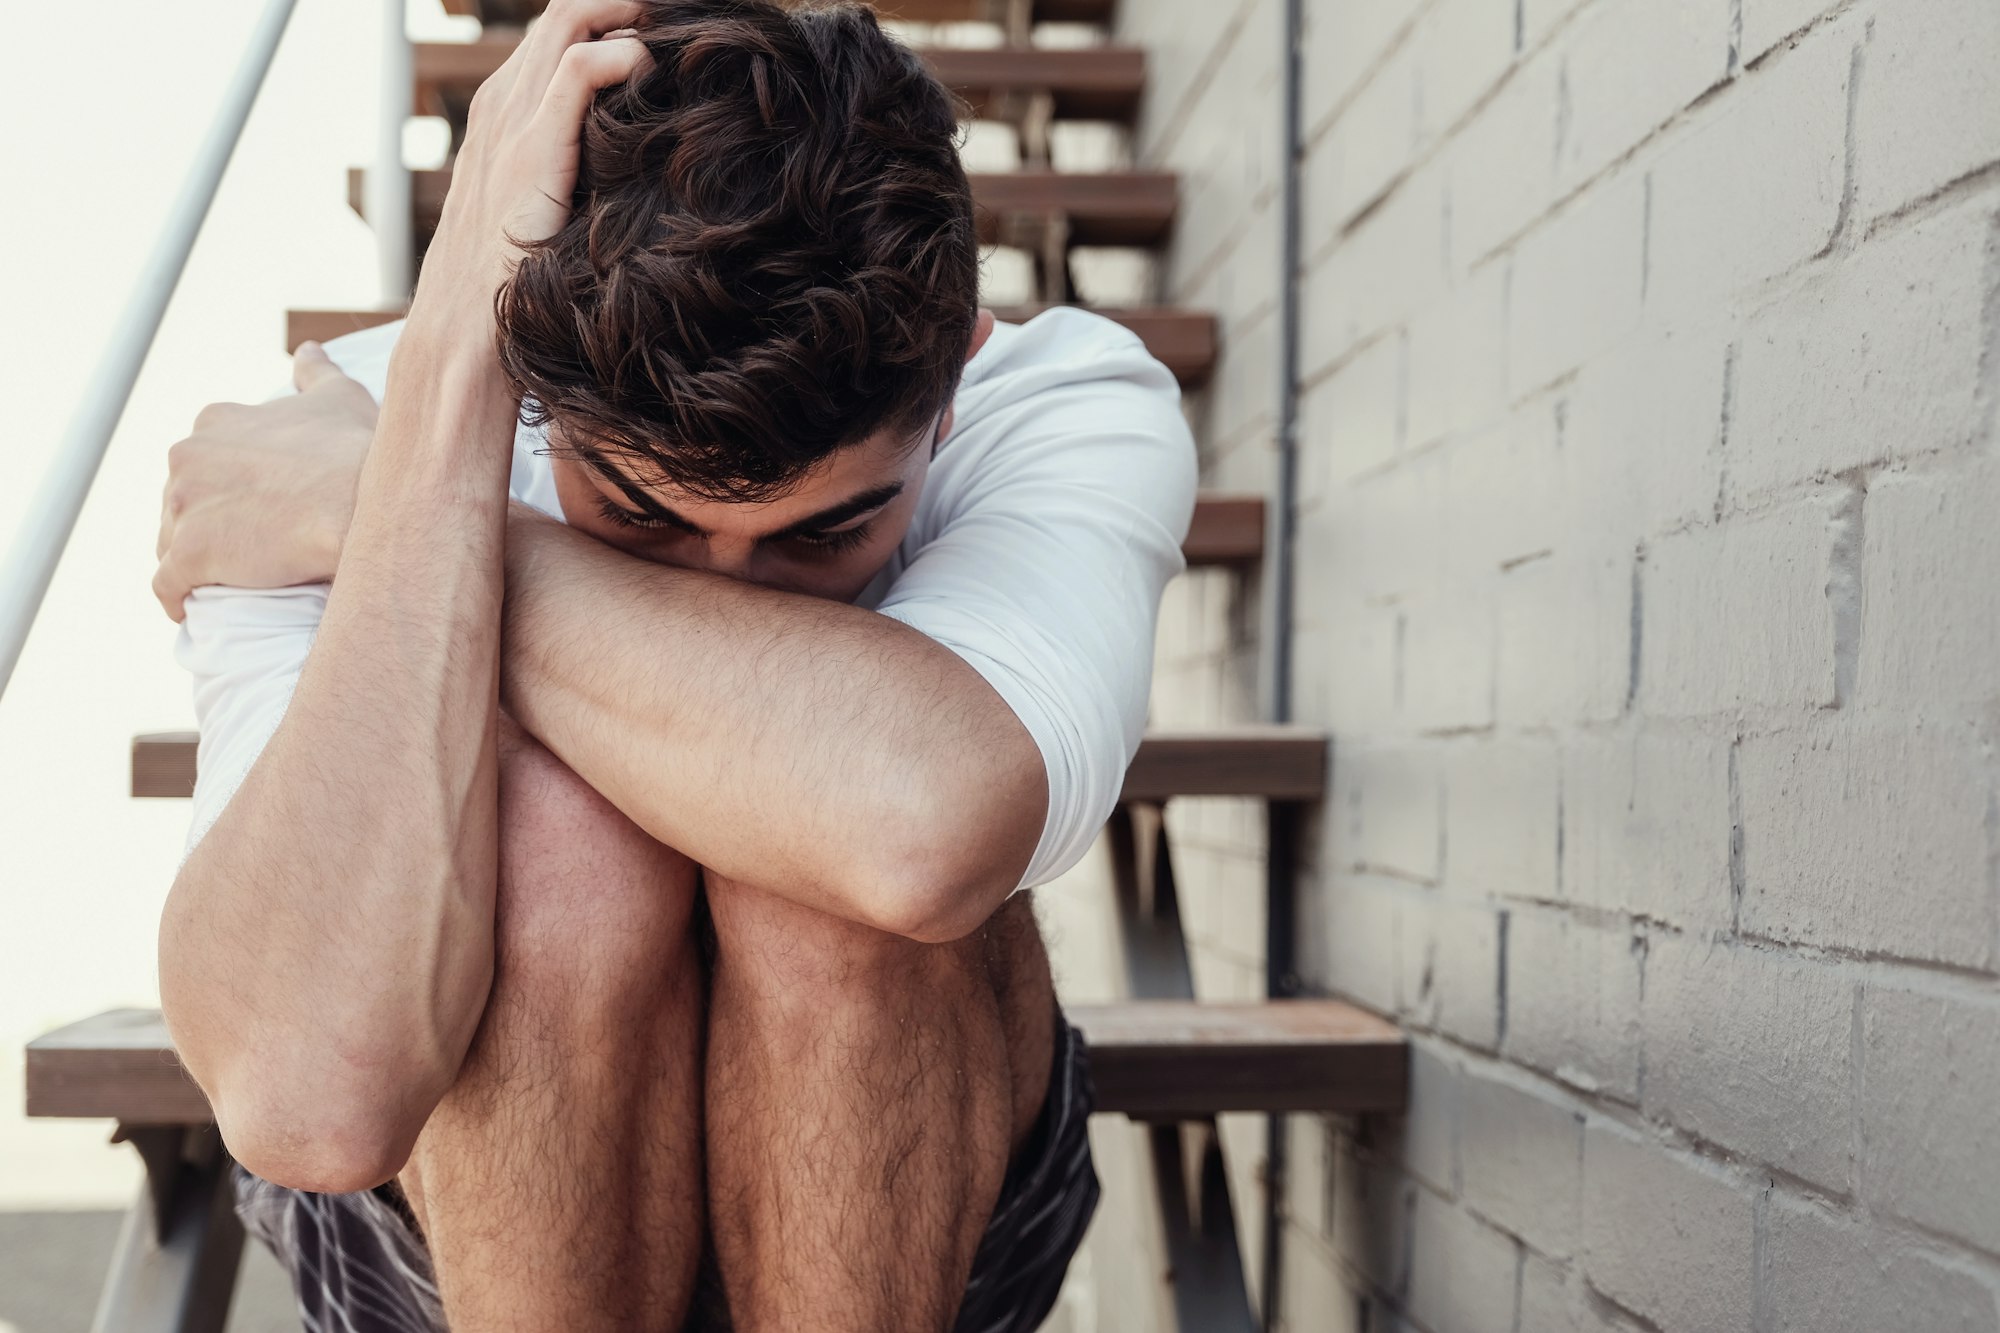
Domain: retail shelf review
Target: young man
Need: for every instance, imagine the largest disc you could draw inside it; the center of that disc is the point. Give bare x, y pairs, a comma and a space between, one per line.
612, 807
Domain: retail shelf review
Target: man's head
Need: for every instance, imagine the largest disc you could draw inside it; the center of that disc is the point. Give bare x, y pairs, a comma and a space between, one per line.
762, 304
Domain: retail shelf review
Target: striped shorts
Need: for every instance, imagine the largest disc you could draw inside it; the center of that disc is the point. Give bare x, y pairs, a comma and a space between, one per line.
358, 1264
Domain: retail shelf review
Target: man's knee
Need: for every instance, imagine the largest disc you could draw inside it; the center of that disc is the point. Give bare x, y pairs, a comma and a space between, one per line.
783, 950
591, 909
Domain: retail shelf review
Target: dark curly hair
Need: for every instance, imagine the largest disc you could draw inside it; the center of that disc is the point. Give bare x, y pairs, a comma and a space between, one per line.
772, 254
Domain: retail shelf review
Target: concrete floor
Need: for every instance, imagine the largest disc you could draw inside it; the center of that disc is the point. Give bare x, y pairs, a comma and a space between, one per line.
52, 1264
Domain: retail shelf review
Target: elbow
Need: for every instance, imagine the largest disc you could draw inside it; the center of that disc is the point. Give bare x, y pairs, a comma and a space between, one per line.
940, 888
315, 1144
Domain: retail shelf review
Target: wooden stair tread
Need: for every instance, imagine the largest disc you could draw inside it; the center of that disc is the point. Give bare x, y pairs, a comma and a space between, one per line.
1148, 1058
1279, 763
516, 12
1184, 341
1086, 83
1121, 208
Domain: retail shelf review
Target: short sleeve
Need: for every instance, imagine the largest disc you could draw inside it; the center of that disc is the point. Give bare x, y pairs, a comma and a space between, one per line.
1052, 523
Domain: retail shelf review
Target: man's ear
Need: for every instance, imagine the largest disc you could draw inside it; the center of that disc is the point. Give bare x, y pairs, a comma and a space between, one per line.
982, 329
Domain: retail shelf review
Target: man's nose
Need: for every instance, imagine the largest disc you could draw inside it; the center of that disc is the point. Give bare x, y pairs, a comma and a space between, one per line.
733, 559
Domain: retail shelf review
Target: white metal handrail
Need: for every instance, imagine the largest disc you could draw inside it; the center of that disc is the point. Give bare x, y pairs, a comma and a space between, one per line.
31, 562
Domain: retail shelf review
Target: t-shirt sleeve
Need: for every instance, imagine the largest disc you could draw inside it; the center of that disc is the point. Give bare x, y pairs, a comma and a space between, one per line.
1066, 491
245, 647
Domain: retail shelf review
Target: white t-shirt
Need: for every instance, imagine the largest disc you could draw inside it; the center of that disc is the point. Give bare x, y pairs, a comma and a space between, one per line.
1049, 524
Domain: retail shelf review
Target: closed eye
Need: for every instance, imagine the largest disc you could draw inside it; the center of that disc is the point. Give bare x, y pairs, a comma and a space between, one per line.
833, 542
616, 513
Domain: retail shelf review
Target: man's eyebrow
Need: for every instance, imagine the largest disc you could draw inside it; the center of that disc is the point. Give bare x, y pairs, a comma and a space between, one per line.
834, 515
641, 501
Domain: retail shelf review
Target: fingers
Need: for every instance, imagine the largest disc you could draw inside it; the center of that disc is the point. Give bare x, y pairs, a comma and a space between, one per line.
312, 367
585, 69
563, 25
171, 590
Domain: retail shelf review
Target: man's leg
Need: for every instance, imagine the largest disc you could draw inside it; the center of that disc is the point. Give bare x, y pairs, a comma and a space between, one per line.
864, 1095
559, 1183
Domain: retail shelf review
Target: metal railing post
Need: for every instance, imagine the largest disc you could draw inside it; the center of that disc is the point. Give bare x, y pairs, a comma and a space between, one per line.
388, 200
37, 549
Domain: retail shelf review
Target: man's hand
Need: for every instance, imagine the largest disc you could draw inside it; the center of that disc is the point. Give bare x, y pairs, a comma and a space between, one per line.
261, 496
515, 174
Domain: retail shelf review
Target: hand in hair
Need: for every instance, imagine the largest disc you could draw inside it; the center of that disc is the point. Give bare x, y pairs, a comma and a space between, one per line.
516, 171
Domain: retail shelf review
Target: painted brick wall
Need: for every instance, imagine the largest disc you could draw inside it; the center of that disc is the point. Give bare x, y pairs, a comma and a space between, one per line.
1650, 585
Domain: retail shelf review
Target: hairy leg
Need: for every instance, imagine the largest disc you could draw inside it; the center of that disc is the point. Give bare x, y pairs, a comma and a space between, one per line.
559, 1183
864, 1094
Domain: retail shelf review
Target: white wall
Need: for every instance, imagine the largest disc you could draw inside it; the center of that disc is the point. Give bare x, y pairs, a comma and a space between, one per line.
103, 114
1648, 587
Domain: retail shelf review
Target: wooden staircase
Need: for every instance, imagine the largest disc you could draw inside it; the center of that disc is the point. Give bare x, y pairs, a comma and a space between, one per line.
1163, 1057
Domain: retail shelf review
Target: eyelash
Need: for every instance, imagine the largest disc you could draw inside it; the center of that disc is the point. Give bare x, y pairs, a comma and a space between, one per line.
829, 543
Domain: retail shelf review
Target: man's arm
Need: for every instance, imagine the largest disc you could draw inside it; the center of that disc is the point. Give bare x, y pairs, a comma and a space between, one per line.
829, 754
326, 950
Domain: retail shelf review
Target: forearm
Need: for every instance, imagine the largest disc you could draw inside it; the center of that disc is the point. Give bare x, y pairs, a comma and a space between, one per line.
328, 945
814, 749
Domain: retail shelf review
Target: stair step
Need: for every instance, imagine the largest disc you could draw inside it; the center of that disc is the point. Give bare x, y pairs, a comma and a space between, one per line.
1182, 340
1276, 763
1150, 1059
1124, 208
1086, 83
517, 12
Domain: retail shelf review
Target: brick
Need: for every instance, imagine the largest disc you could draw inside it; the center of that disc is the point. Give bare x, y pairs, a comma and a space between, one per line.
1354, 419
1522, 1155
1871, 839
1426, 1137
1462, 1272
1501, 166
1462, 47
1539, 16
1343, 45
1451, 969
1929, 638
1929, 108
1757, 187
1501, 810
1390, 798
1456, 364
1754, 1052
1373, 1205
1628, 67
1767, 22
1573, 1000
1554, 1299
1564, 639
1352, 947
1641, 437
1821, 1271
1646, 826
1448, 657
1930, 1141
1576, 283
1370, 144
1390, 265
1737, 615
1665, 1235
1497, 488
1904, 311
